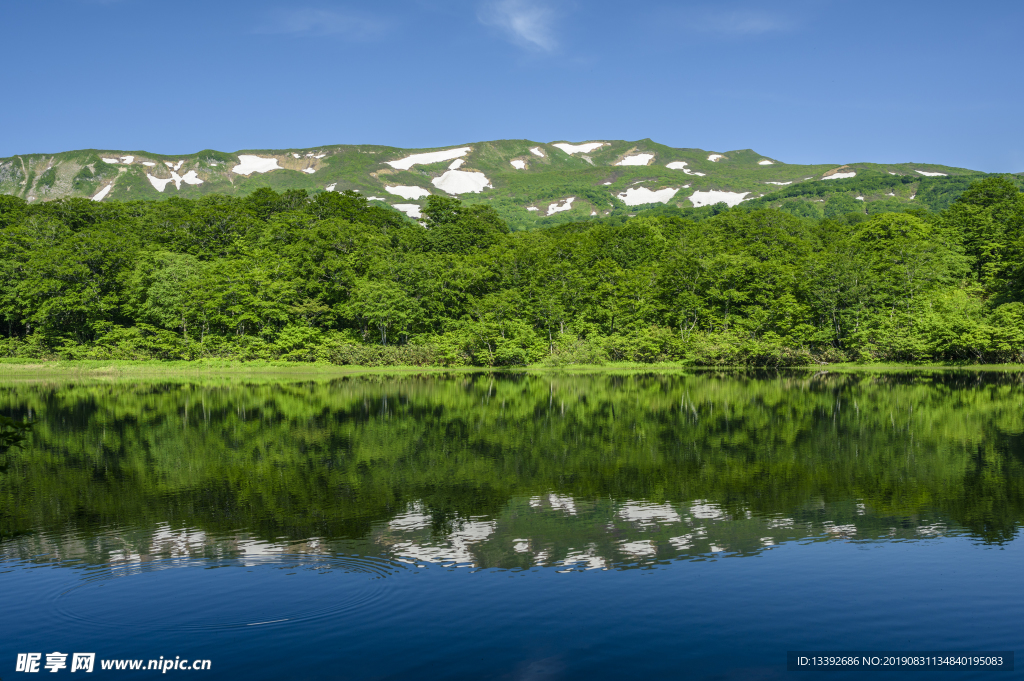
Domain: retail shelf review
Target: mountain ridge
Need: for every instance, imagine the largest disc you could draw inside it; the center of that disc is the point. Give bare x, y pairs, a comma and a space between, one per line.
529, 183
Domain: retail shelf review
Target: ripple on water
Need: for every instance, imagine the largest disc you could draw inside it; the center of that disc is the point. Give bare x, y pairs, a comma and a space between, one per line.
196, 594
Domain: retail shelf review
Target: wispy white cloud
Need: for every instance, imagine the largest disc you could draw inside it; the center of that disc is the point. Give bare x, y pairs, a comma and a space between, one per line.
527, 23
313, 21
745, 22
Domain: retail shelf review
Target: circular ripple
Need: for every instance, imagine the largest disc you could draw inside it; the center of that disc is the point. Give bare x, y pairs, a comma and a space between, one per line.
198, 594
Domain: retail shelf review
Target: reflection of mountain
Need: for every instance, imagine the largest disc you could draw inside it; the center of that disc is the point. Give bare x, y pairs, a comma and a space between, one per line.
513, 470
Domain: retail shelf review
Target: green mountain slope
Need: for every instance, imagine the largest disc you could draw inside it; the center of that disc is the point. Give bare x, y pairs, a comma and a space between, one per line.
528, 183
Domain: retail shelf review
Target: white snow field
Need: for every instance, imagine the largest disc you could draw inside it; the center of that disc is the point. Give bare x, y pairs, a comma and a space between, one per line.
456, 164
638, 196
410, 209
891, 173
158, 183
840, 176
765, 162
566, 205
710, 198
780, 183
406, 192
461, 182
148, 164
429, 157
859, 198
577, 148
110, 160
161, 183
103, 192
375, 198
681, 165
532, 208
331, 187
296, 155
637, 160
927, 174
715, 157
518, 164
309, 170
249, 164
537, 151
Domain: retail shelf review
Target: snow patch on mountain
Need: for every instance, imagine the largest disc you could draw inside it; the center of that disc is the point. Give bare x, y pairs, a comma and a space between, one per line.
840, 176
636, 160
780, 183
428, 157
410, 209
638, 196
681, 165
585, 148
103, 192
518, 164
537, 151
456, 164
407, 192
711, 197
249, 164
161, 183
715, 158
566, 205
765, 162
928, 174
462, 182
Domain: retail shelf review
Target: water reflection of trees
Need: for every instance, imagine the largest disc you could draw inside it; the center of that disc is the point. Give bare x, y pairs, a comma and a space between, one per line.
341, 459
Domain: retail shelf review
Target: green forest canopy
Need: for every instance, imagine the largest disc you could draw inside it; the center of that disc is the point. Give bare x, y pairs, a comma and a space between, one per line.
333, 278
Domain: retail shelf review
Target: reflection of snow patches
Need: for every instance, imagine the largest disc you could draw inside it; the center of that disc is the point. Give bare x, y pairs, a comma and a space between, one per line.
407, 192
648, 514
415, 519
682, 542
560, 503
639, 549
588, 558
706, 511
521, 545
428, 157
455, 548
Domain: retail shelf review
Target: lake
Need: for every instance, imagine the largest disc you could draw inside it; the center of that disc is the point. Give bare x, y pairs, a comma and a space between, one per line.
512, 526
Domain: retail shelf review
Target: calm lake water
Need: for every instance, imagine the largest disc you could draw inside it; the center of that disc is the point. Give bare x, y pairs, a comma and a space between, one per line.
514, 526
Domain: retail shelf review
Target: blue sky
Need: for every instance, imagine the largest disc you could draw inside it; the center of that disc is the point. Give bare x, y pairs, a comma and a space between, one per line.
804, 81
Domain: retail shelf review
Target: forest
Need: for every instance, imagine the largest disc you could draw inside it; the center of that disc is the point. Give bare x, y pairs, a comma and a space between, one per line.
332, 278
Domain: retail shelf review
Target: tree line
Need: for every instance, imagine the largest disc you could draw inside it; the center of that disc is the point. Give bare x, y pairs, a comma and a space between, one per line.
332, 278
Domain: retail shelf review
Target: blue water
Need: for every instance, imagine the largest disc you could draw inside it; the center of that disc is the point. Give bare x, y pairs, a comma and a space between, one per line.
545, 585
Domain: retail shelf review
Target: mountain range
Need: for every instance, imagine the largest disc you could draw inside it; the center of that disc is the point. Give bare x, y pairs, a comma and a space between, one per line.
529, 183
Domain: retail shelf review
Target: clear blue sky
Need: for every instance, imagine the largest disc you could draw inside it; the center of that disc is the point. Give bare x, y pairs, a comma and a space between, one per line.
826, 81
